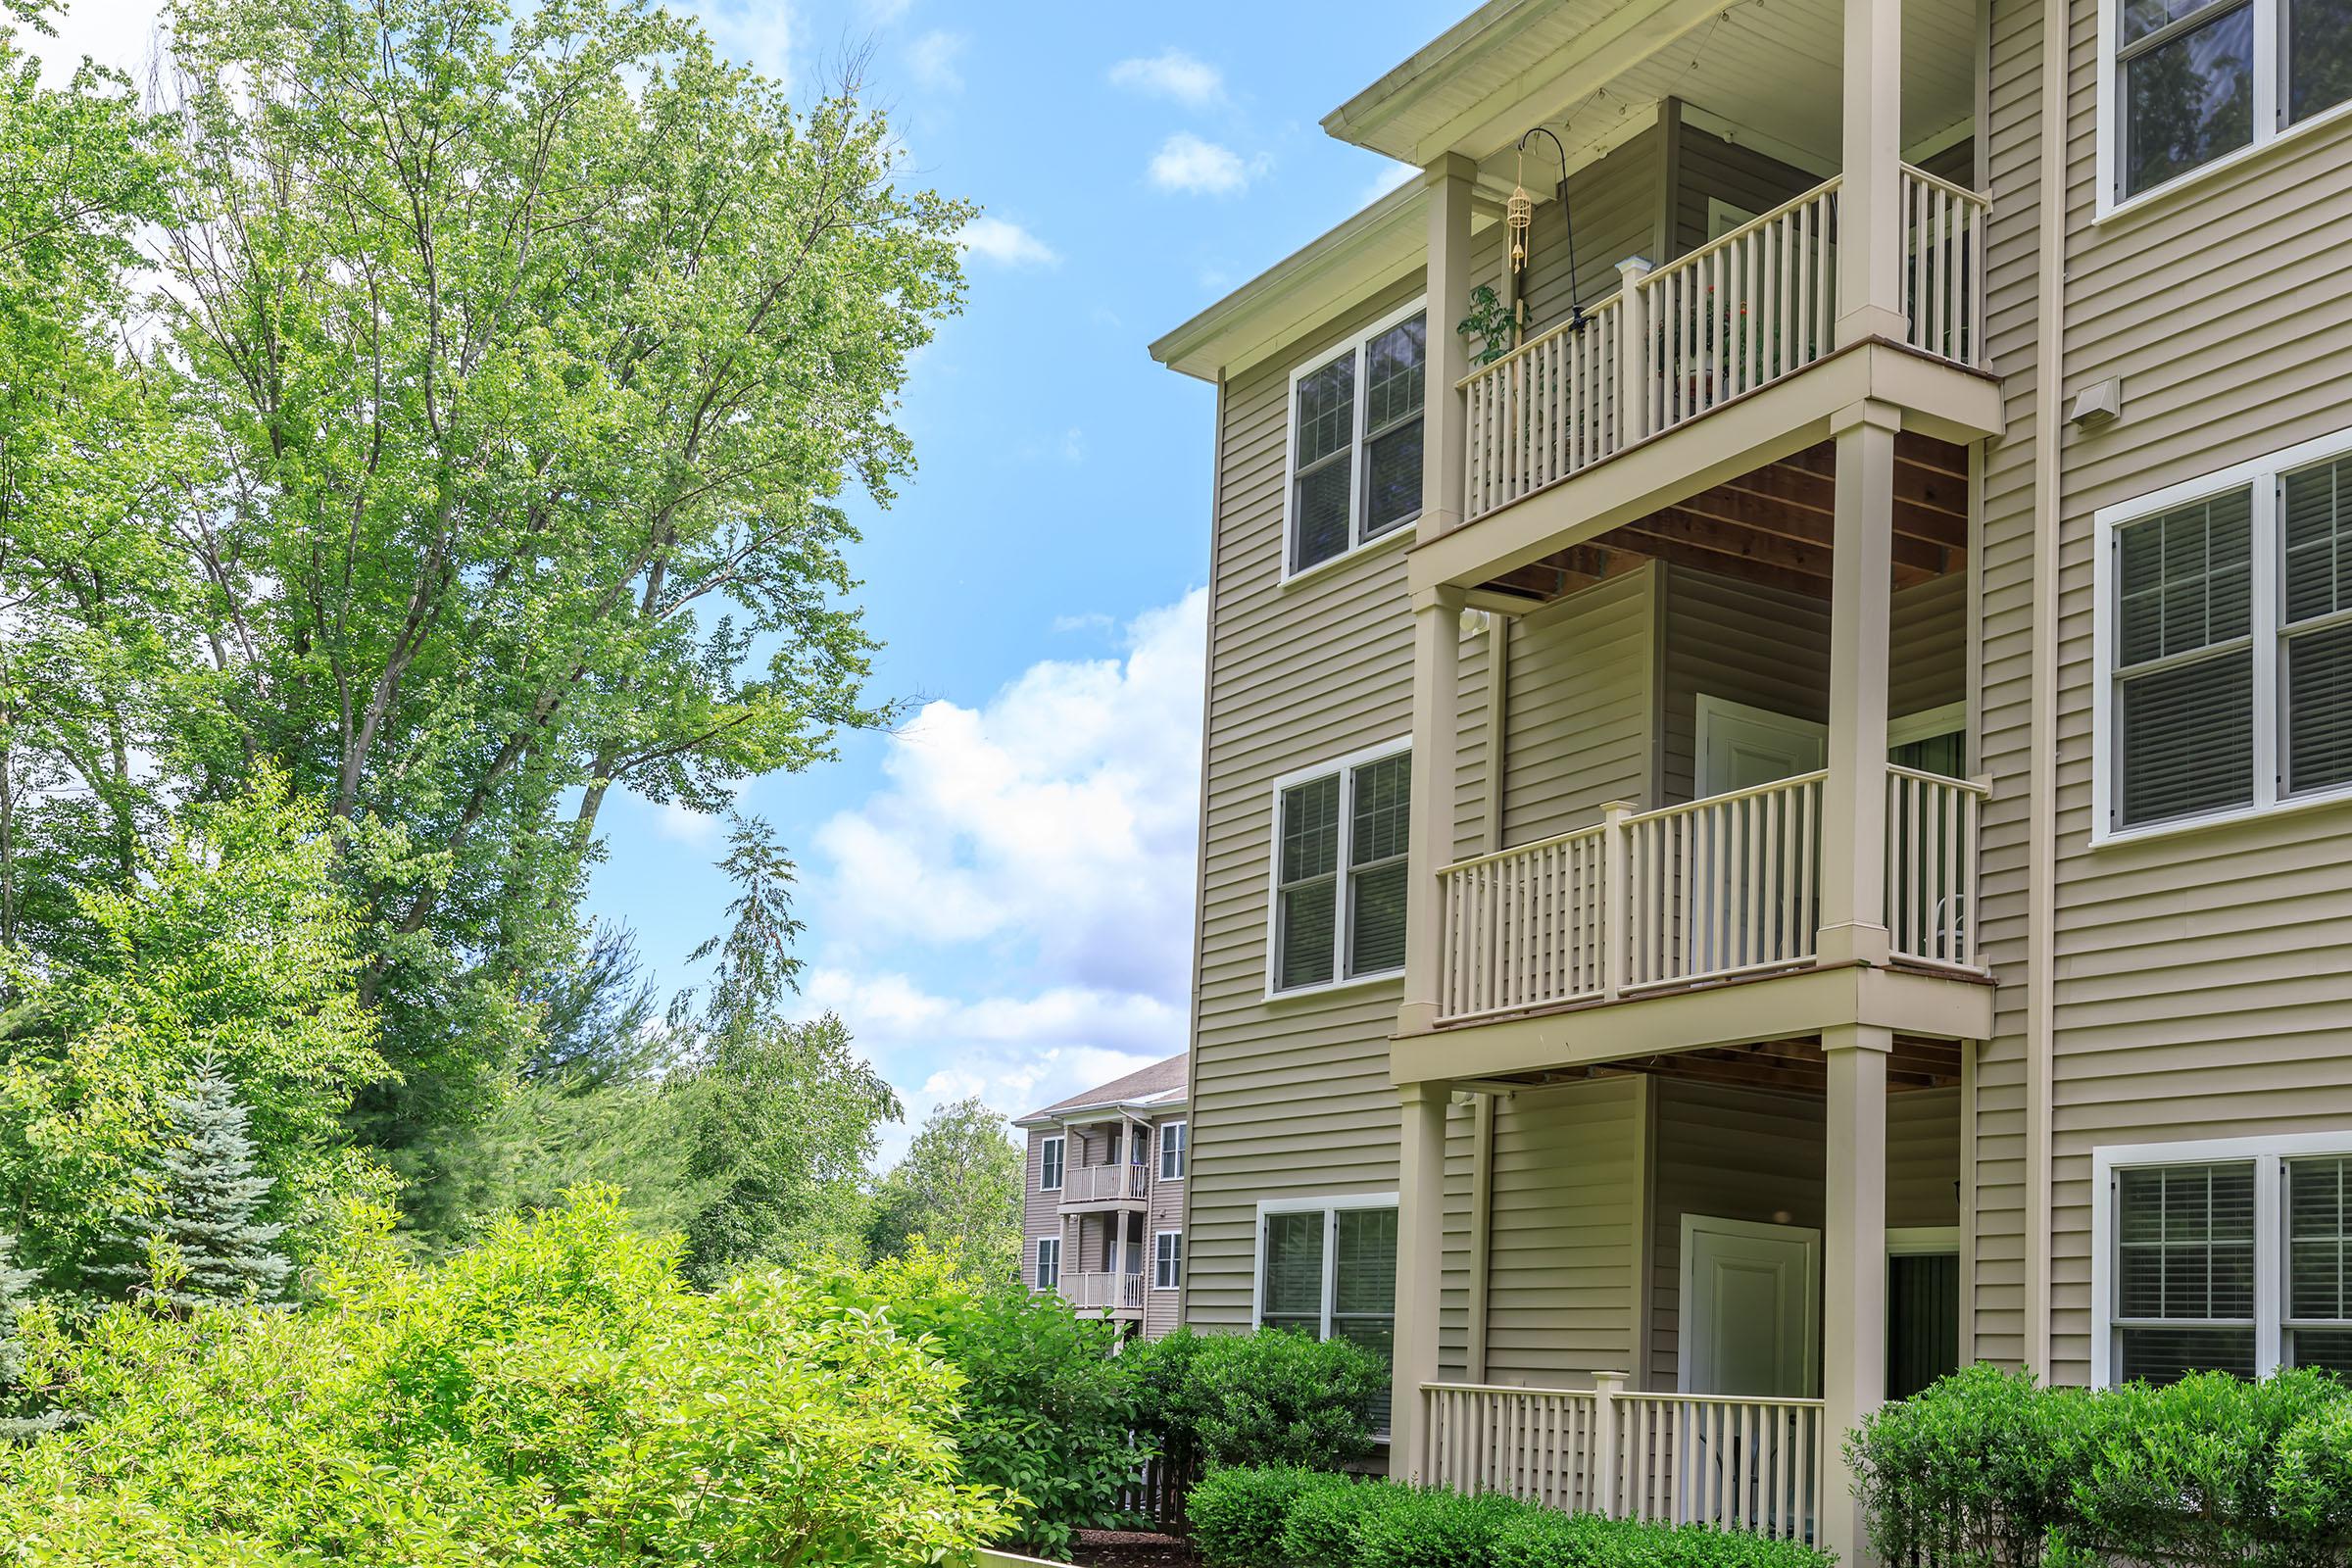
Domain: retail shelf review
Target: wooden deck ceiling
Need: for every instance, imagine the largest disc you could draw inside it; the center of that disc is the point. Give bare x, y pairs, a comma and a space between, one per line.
1789, 1066
1774, 525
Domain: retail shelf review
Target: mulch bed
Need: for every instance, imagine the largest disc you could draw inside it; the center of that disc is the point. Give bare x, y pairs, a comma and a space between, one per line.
1130, 1548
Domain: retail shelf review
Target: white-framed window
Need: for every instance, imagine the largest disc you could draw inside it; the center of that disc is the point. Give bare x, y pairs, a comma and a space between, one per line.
1327, 1266
1168, 1260
1050, 1153
2223, 640
2227, 1254
2189, 84
1353, 472
1049, 1262
1338, 873
1174, 1141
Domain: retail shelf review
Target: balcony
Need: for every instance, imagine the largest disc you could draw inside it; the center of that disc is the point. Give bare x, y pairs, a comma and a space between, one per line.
1730, 319
1116, 1184
1104, 1292
1710, 891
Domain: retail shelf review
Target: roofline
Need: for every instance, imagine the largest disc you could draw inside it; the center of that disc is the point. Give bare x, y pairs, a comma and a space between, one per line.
1291, 278
1065, 1114
1489, 26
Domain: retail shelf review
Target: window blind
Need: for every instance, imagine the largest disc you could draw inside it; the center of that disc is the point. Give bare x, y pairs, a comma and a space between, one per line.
2184, 660
2184, 1282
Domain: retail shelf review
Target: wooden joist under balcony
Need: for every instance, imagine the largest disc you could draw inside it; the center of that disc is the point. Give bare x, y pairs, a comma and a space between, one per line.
1774, 525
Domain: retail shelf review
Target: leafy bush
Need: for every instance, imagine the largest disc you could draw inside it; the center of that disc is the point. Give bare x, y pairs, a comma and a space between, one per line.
1989, 1468
557, 1396
1048, 1410
1272, 1397
1282, 1518
1237, 1514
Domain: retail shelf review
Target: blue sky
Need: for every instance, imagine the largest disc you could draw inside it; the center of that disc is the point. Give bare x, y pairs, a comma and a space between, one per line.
999, 896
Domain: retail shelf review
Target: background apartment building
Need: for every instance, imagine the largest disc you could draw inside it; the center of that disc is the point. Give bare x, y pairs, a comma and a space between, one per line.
1790, 831
1103, 1207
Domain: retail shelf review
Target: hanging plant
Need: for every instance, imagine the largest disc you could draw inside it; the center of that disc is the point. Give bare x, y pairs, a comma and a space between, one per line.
1493, 324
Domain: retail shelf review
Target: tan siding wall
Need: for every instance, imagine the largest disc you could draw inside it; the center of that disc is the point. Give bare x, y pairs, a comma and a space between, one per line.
1579, 709
1764, 647
1566, 1217
1740, 176
1041, 1211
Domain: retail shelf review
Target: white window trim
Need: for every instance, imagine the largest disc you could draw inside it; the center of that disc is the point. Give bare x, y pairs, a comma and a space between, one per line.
1340, 979
1043, 1164
1037, 1266
2268, 79
1403, 528
2269, 545
1329, 1207
2268, 1154
1184, 1152
1178, 1282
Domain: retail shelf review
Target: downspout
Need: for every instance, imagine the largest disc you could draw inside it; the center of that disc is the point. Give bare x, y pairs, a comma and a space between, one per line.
2042, 808
1192, 1052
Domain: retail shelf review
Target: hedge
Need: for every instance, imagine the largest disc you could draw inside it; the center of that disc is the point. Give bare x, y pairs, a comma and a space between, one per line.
1289, 1518
1988, 1469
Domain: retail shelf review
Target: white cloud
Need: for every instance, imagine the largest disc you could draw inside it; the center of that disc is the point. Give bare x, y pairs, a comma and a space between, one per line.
1186, 162
1006, 243
126, 34
931, 59
885, 12
1171, 74
1088, 620
1059, 819
759, 34
1391, 177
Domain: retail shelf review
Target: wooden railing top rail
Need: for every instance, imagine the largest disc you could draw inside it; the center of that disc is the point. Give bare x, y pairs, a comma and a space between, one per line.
1491, 855
1575, 324
1733, 236
1940, 184
1776, 1401
1505, 1388
1793, 781
1981, 785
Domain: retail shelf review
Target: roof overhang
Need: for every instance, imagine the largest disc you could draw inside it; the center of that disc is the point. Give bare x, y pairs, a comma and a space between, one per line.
1108, 1111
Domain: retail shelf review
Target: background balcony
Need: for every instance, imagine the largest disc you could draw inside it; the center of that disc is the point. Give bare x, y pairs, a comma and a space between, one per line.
1104, 1292
1082, 1185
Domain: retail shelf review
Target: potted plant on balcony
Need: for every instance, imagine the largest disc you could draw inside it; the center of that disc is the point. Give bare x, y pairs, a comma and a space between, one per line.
1493, 324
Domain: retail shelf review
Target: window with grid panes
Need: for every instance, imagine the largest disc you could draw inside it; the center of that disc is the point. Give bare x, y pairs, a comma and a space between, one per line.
2184, 1271
1354, 1297
2318, 1327
2315, 627
1049, 1262
1290, 1279
2184, 660
2197, 79
1050, 1158
1355, 443
1341, 843
1167, 1260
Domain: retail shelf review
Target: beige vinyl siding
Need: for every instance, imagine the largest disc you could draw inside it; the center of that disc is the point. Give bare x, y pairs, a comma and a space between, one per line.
1617, 204
1041, 1211
1927, 663
2203, 980
1562, 1266
1579, 707
1711, 166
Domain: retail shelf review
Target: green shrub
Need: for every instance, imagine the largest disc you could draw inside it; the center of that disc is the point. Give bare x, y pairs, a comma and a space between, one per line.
1989, 1468
1538, 1538
1322, 1526
556, 1395
1237, 1514
1273, 1396
1049, 1409
1433, 1529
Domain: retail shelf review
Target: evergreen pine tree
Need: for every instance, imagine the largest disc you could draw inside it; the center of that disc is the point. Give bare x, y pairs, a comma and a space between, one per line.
207, 1197
14, 1284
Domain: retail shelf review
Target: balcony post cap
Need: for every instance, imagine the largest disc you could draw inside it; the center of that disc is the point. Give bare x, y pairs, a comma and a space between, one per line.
1634, 266
1614, 1382
1618, 809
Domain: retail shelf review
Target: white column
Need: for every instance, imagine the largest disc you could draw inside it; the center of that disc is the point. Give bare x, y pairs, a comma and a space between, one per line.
1420, 1244
1853, 1318
1870, 221
1449, 182
1853, 804
1437, 723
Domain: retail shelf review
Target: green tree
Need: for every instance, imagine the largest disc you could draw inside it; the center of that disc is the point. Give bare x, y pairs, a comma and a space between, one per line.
197, 1241
234, 943
532, 350
959, 1189
19, 1419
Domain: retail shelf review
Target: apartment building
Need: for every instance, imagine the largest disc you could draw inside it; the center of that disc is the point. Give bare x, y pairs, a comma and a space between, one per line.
1784, 825
1104, 1211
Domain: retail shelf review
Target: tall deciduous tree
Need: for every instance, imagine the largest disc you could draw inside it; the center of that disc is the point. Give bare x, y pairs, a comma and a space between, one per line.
532, 352
959, 1189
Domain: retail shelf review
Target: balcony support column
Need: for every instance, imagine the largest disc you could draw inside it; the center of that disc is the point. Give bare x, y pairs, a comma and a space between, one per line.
1870, 202
1853, 804
1444, 443
1420, 1260
1853, 1317
1437, 733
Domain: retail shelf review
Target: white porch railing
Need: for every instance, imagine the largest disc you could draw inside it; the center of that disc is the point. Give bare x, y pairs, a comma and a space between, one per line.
1103, 1290
1096, 1183
1931, 866
1725, 886
1737, 1463
1733, 316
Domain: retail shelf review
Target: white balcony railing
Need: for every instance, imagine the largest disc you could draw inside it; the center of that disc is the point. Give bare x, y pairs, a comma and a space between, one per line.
1733, 316
1735, 1464
1104, 1292
1101, 1184
1723, 886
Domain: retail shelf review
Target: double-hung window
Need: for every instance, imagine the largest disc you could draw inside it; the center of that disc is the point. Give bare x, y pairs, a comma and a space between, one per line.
2230, 1256
1051, 1153
1174, 1141
1049, 1262
1355, 442
1328, 1267
2225, 634
1167, 1260
1340, 870
2190, 81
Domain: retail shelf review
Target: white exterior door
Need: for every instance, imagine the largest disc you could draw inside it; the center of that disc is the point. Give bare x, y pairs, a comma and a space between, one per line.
1750, 1318
1742, 747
